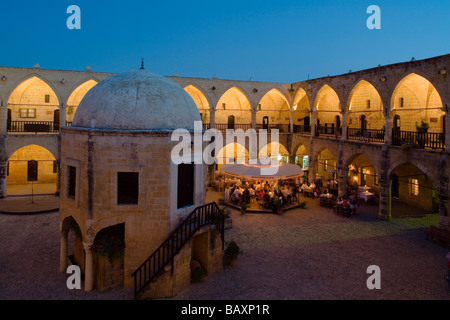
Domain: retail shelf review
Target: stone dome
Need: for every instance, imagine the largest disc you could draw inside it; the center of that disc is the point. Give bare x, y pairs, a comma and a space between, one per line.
137, 100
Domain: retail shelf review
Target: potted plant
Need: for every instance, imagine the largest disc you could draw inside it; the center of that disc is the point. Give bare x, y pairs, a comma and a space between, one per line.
422, 127
278, 205
302, 204
231, 253
244, 207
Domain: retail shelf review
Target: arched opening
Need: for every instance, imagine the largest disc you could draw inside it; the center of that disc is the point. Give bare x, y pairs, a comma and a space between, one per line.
108, 250
275, 108
326, 168
75, 98
302, 119
233, 103
302, 159
231, 120
32, 170
362, 178
233, 152
419, 105
327, 107
412, 192
365, 114
274, 151
32, 104
202, 104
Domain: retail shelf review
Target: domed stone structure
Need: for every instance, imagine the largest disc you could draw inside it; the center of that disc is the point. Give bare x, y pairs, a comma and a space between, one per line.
137, 100
117, 177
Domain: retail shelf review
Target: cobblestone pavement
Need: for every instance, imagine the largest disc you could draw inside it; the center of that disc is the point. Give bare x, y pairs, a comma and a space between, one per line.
304, 254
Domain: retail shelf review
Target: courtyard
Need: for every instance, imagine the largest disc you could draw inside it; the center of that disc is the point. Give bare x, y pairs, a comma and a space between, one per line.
304, 254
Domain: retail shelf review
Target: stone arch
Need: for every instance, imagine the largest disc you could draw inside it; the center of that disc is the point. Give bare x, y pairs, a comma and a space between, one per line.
201, 101
415, 99
283, 152
301, 112
35, 164
364, 101
274, 107
28, 80
99, 225
77, 95
326, 107
233, 102
299, 152
239, 153
33, 99
363, 165
416, 190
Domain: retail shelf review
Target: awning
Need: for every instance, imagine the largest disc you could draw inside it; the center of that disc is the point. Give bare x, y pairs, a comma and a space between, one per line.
284, 171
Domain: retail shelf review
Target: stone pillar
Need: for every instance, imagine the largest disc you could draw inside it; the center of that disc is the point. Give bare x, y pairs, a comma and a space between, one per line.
388, 131
89, 267
341, 172
212, 118
3, 166
447, 132
63, 251
444, 192
4, 119
62, 115
344, 126
313, 123
312, 162
291, 122
384, 210
254, 118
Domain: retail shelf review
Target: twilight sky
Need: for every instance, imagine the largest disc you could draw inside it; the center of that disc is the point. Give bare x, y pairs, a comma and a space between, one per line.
276, 41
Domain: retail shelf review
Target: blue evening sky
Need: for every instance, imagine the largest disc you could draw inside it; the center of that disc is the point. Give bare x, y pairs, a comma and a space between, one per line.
278, 41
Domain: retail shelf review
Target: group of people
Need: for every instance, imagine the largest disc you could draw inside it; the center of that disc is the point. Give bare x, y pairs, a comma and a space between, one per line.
315, 189
349, 202
262, 192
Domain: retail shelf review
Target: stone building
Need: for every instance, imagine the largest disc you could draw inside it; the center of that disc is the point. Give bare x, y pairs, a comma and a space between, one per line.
364, 125
118, 180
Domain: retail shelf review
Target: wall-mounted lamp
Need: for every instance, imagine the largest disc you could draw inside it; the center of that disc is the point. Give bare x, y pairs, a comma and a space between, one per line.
383, 79
443, 72
255, 90
62, 80
3, 78
213, 88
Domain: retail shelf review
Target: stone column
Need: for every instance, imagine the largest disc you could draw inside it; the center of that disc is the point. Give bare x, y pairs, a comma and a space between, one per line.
384, 210
89, 267
63, 250
344, 126
212, 118
447, 132
444, 192
3, 166
254, 118
388, 131
4, 119
62, 115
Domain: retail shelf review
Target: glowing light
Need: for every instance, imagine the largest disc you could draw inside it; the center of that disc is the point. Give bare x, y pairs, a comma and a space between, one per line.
279, 157
295, 107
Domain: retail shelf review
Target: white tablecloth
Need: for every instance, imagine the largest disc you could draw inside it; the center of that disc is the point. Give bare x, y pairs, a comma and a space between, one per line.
366, 195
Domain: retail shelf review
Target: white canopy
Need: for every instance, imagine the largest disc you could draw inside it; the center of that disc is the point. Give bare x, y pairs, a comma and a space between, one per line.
284, 171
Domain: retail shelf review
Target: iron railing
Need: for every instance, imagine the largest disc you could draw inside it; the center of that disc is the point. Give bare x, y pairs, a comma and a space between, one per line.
208, 214
328, 130
420, 140
366, 135
224, 126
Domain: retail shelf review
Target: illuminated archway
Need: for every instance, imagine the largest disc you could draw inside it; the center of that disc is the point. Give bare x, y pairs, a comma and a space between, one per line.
414, 100
232, 152
233, 103
302, 112
412, 192
327, 108
275, 151
201, 102
365, 113
302, 158
76, 97
273, 112
325, 162
33, 101
31, 169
